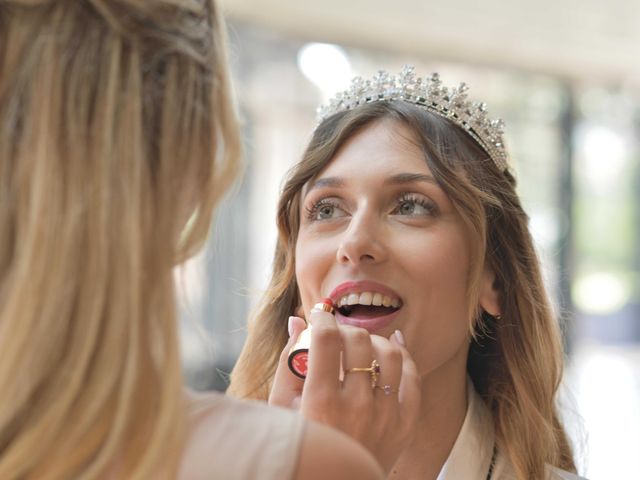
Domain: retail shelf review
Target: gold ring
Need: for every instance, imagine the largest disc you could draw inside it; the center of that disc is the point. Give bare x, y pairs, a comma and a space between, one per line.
373, 370
386, 389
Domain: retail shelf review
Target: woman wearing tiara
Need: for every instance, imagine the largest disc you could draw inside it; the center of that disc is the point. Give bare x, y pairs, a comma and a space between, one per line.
118, 137
403, 211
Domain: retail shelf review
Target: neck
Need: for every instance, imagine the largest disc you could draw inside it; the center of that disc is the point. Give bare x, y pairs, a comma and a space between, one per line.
442, 413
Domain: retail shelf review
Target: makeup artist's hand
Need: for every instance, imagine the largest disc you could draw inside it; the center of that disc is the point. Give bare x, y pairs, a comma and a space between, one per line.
382, 421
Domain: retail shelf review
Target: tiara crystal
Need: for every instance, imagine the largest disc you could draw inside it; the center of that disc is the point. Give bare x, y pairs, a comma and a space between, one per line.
428, 93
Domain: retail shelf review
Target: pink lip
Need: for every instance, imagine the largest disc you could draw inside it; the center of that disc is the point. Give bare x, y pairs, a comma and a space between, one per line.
370, 324
360, 286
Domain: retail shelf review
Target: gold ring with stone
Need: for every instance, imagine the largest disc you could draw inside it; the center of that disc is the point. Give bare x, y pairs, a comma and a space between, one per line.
373, 370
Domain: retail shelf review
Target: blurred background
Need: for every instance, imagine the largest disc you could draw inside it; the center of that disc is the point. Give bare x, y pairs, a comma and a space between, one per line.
565, 77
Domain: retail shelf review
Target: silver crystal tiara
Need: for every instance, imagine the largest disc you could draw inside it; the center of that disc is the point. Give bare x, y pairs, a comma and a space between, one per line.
430, 94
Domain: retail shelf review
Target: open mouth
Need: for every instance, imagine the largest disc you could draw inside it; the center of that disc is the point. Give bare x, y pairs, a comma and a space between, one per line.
367, 305
366, 311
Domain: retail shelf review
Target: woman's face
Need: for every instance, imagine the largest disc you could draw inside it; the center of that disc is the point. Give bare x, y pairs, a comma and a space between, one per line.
383, 240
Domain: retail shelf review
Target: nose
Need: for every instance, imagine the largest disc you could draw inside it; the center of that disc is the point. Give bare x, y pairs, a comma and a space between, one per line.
362, 242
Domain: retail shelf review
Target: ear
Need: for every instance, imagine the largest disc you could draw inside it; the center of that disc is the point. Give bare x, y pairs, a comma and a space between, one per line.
489, 292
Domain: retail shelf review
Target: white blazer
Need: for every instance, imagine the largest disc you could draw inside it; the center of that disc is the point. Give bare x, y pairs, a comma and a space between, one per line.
471, 454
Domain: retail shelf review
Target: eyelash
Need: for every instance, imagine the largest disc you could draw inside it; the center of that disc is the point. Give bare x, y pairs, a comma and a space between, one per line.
425, 203
312, 211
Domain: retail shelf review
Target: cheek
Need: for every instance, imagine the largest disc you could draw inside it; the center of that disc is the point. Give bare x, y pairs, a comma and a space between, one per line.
311, 267
439, 328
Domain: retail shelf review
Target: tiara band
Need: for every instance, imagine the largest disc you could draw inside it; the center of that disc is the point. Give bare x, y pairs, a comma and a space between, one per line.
430, 94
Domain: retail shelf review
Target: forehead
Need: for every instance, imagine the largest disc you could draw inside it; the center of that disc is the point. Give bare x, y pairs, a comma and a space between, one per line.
386, 147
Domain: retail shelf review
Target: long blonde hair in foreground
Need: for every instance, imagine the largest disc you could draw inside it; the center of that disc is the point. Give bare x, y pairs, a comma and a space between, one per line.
515, 363
116, 126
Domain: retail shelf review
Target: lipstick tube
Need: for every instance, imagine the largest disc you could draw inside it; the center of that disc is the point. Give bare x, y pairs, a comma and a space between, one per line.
299, 353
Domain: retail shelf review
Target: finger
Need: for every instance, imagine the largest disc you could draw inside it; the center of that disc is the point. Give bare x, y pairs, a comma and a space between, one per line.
357, 353
296, 326
287, 386
390, 358
409, 391
324, 353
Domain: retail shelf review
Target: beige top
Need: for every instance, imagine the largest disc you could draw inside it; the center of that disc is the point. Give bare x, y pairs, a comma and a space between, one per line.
234, 439
471, 454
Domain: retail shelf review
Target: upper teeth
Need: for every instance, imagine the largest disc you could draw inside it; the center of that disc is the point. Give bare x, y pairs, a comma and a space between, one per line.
369, 298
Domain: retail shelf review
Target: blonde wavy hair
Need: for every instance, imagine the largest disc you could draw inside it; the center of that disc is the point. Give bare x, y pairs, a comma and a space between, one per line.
515, 362
117, 130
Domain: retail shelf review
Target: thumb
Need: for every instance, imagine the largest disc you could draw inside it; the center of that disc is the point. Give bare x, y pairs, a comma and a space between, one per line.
287, 387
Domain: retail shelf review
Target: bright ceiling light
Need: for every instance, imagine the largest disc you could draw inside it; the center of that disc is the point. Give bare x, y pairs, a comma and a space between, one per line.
605, 153
602, 293
325, 65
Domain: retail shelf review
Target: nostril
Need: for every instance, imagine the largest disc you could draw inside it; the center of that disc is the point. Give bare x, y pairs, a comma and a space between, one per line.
360, 250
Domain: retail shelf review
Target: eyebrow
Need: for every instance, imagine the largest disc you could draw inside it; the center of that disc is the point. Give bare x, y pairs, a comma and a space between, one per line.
398, 179
327, 182
404, 178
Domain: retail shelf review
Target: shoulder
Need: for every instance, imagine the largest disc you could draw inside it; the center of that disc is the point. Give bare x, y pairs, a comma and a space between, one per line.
505, 471
552, 473
328, 453
558, 474
236, 439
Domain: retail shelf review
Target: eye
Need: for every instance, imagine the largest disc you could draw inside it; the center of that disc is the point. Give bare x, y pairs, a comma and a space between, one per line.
325, 209
414, 205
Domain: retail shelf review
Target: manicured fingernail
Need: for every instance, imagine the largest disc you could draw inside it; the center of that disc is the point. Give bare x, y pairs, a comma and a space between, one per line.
290, 325
400, 338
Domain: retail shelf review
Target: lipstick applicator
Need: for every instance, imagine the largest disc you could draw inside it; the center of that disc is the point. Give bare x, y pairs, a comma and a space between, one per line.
299, 353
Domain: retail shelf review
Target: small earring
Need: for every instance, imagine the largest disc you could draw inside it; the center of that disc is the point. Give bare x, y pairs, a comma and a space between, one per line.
497, 317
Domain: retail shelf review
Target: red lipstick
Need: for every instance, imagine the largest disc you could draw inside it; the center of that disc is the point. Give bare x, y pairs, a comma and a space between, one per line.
299, 353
